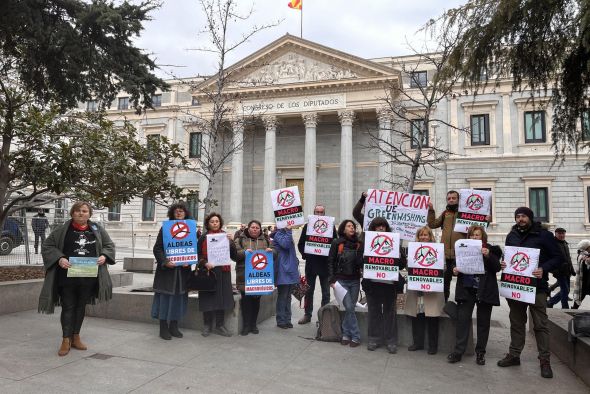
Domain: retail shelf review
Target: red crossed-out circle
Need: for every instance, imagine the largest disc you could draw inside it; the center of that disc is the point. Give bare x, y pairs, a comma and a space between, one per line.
475, 202
425, 256
259, 261
382, 245
285, 198
320, 226
520, 261
179, 230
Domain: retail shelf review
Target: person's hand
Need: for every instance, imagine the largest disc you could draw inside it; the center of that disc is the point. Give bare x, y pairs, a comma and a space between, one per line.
503, 264
169, 264
333, 285
538, 273
289, 227
101, 260
209, 266
268, 249
485, 252
488, 218
430, 206
364, 194
455, 271
64, 263
230, 237
249, 250
185, 265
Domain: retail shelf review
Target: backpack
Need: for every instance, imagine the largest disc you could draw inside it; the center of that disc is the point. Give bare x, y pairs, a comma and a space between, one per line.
579, 326
329, 324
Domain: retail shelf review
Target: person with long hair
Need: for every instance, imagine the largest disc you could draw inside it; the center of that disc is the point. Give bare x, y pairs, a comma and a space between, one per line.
424, 307
480, 290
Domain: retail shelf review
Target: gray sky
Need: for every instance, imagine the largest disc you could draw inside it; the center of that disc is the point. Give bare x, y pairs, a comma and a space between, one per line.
369, 29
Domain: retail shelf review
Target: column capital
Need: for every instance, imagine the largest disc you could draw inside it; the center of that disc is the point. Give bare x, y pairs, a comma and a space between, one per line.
310, 119
346, 117
270, 121
237, 123
384, 114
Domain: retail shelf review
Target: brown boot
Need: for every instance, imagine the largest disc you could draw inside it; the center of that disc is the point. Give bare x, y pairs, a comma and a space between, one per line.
65, 347
77, 343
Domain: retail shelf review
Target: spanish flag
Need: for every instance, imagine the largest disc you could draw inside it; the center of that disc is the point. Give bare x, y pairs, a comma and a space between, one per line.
295, 4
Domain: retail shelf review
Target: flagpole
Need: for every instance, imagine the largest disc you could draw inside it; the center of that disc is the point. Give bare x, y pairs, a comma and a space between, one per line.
301, 23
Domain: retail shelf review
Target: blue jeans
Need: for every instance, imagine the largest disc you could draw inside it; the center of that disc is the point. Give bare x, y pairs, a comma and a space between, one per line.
284, 304
350, 326
563, 294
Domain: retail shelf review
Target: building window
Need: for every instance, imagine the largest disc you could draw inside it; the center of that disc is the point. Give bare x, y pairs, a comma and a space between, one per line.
418, 79
123, 103
534, 126
423, 192
156, 100
115, 212
91, 106
539, 203
586, 125
194, 149
195, 102
148, 210
152, 145
418, 127
480, 129
192, 204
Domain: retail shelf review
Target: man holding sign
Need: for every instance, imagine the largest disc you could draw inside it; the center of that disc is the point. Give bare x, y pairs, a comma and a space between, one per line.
529, 234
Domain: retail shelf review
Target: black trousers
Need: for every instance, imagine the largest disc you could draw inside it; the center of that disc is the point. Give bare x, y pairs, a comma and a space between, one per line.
73, 307
250, 305
311, 276
38, 236
381, 303
464, 312
448, 277
419, 324
218, 315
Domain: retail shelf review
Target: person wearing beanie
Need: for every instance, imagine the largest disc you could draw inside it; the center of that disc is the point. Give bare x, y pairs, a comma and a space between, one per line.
530, 234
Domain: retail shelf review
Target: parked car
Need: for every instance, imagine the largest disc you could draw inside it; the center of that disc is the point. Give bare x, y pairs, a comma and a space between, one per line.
11, 236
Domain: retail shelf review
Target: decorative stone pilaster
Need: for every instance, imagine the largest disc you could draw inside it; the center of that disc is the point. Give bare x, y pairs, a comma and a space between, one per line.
385, 171
310, 170
346, 164
270, 166
237, 172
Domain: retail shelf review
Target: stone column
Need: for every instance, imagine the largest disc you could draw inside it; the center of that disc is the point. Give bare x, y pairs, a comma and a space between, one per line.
346, 165
270, 167
237, 173
385, 171
203, 181
506, 125
309, 173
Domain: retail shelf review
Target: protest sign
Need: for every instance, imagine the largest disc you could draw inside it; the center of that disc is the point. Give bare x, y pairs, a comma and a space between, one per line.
381, 250
339, 293
468, 256
180, 241
474, 207
426, 262
83, 267
517, 281
404, 212
287, 208
218, 249
259, 273
319, 235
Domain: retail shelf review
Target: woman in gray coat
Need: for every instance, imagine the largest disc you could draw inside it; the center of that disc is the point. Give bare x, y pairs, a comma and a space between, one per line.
78, 237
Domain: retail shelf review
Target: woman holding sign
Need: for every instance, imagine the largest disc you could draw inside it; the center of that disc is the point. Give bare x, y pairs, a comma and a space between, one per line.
251, 239
480, 290
213, 304
74, 256
170, 292
424, 307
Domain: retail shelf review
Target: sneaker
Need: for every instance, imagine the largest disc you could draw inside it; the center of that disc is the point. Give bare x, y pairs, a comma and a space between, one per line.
371, 346
206, 331
414, 347
345, 342
354, 343
508, 361
392, 349
304, 320
546, 371
221, 330
480, 358
454, 357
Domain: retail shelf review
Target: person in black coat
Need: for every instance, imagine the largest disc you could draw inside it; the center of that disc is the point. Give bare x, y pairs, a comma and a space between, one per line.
170, 292
480, 290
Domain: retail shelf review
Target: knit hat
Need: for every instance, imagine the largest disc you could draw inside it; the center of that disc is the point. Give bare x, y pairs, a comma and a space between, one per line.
584, 244
525, 211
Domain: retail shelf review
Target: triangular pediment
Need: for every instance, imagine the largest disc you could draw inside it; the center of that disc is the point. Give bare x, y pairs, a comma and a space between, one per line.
294, 61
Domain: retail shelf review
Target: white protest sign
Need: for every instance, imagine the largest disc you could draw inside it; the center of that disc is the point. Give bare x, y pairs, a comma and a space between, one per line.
426, 262
468, 256
517, 281
319, 235
404, 212
381, 250
474, 207
218, 249
339, 293
287, 208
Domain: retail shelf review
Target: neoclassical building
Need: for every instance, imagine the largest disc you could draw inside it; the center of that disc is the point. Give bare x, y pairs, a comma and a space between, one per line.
306, 113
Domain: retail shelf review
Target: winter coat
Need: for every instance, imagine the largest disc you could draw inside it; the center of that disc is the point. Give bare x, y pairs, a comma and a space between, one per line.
537, 237
446, 221
51, 252
582, 282
39, 224
349, 268
313, 262
222, 298
243, 243
487, 292
566, 269
168, 280
433, 303
287, 264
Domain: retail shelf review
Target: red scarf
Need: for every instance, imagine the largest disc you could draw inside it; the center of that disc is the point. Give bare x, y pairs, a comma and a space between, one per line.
79, 227
224, 268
